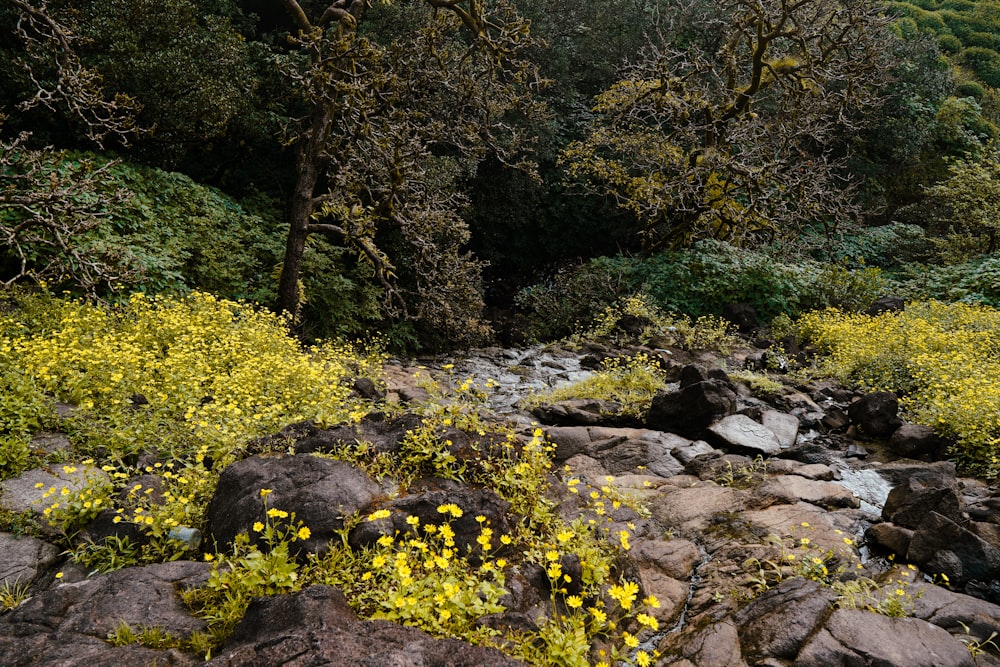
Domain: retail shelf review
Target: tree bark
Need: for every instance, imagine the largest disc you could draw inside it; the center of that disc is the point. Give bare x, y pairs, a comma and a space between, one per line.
311, 165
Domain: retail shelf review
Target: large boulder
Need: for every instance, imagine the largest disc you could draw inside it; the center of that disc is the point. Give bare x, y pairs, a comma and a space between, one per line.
320, 491
742, 434
69, 624
876, 414
620, 450
853, 637
941, 546
691, 409
910, 503
916, 441
24, 559
317, 627
778, 622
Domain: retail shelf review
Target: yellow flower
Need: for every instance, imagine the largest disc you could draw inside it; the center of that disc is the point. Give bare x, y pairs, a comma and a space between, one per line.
276, 513
59, 575
450, 508
380, 514
625, 594
264, 492
630, 640
258, 526
574, 602
642, 659
648, 621
304, 533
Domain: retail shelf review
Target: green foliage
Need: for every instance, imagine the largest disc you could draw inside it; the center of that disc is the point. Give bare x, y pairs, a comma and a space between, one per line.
839, 287
975, 280
149, 229
674, 141
971, 195
710, 275
262, 565
183, 61
883, 246
700, 281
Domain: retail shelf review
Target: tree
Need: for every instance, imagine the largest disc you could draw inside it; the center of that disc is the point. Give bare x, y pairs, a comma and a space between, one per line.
57, 78
733, 123
393, 129
46, 212
971, 196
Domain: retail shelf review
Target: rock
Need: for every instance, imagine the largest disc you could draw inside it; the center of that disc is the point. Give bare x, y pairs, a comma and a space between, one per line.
835, 419
852, 637
68, 624
742, 434
690, 508
939, 473
319, 491
384, 434
886, 304
894, 539
26, 493
24, 559
957, 613
792, 488
941, 546
621, 450
910, 503
686, 453
743, 315
784, 426
690, 410
473, 503
579, 411
916, 441
876, 414
776, 624
317, 627
718, 645
402, 383
51, 443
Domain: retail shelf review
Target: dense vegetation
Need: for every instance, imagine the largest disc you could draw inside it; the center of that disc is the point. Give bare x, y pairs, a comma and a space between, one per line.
479, 149
222, 192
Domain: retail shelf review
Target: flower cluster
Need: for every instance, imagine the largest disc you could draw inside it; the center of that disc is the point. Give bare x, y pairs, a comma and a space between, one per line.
943, 359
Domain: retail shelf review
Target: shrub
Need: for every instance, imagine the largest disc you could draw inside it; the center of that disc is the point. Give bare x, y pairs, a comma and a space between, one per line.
975, 280
631, 382
146, 228
211, 375
942, 360
574, 296
884, 246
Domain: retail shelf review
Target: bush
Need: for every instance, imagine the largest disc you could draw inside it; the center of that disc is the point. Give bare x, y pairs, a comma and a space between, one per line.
125, 227
973, 281
883, 246
985, 62
575, 296
941, 358
701, 281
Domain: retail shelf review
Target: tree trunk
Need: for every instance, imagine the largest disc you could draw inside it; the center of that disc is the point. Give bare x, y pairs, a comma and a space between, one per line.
310, 167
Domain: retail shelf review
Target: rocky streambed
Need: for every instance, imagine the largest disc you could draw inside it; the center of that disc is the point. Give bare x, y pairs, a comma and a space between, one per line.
755, 505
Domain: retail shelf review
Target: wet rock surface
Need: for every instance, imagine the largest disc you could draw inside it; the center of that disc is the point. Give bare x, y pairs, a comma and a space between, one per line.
752, 505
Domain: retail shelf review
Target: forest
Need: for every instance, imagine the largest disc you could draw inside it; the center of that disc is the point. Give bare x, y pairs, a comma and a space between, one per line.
450, 173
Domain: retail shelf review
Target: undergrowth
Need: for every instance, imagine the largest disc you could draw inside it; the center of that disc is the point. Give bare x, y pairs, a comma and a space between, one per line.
942, 360
167, 391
